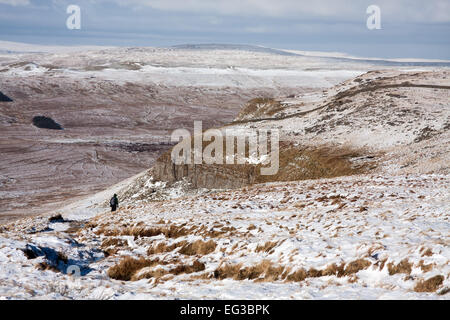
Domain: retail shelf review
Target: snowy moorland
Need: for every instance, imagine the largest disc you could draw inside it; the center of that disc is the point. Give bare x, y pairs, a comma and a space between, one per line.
118, 107
362, 237
359, 209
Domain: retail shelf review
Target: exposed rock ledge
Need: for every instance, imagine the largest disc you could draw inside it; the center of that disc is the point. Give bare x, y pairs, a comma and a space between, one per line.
362, 125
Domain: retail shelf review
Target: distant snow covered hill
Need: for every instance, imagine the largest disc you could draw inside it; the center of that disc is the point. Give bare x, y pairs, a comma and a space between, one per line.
336, 56
239, 47
10, 47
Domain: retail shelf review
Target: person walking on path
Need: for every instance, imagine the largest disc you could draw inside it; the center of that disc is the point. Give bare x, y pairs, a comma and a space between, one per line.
114, 203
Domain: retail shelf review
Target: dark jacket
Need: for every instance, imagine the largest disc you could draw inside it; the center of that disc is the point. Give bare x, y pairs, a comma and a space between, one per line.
114, 202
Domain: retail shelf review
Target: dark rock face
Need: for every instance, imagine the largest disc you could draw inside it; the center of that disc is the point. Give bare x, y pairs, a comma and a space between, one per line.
203, 176
46, 123
4, 98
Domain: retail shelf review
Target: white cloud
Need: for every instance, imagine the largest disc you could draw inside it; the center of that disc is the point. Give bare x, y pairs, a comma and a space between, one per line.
402, 10
15, 2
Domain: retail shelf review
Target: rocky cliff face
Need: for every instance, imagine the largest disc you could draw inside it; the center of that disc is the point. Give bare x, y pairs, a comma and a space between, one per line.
295, 163
203, 176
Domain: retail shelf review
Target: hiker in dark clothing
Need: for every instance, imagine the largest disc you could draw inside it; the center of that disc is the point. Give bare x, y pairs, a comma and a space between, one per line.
114, 203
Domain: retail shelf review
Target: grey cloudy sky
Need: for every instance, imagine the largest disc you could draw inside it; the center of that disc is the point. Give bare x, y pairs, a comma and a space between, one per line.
410, 28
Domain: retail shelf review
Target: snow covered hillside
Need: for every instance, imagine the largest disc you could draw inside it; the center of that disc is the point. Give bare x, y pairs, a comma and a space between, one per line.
362, 237
118, 107
359, 208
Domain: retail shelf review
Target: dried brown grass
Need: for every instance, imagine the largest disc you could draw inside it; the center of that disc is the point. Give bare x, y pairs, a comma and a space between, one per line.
403, 267
198, 248
267, 271
297, 276
45, 266
297, 163
425, 267
171, 231
267, 247
334, 270
356, 266
128, 266
429, 285
196, 266
259, 108
227, 271
162, 247
263, 271
113, 242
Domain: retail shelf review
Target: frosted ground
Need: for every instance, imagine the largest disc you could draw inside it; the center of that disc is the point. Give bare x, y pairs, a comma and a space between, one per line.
400, 233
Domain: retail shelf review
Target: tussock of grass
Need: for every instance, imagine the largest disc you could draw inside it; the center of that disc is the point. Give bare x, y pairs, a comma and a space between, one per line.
60, 256
53, 264
30, 254
128, 266
266, 271
131, 269
56, 218
297, 276
430, 285
163, 247
444, 291
113, 242
198, 248
403, 267
46, 266
227, 271
427, 253
169, 232
196, 266
259, 108
425, 267
314, 273
356, 266
216, 233
334, 270
267, 247
263, 271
